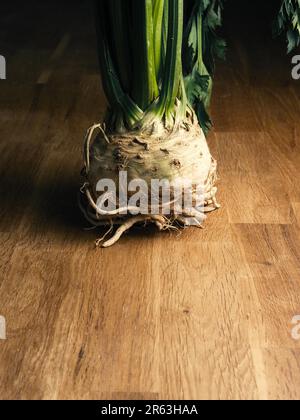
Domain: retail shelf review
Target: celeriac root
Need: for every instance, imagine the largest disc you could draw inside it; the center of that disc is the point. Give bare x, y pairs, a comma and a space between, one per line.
160, 223
163, 155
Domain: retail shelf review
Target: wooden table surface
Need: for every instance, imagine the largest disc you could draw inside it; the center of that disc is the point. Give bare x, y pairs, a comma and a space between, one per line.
203, 315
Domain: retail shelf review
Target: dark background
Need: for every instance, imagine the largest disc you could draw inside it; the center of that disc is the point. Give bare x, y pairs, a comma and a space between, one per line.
31, 31
37, 25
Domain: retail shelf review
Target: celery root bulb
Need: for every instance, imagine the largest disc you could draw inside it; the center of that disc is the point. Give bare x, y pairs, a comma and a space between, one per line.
182, 154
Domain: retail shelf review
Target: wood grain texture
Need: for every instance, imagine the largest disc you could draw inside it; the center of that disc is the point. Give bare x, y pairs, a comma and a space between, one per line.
203, 315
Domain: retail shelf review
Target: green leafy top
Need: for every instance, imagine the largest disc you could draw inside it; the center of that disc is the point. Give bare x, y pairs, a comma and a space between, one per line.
289, 19
157, 57
201, 46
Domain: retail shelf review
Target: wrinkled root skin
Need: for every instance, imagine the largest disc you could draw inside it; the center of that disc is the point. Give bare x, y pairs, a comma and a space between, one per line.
182, 154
